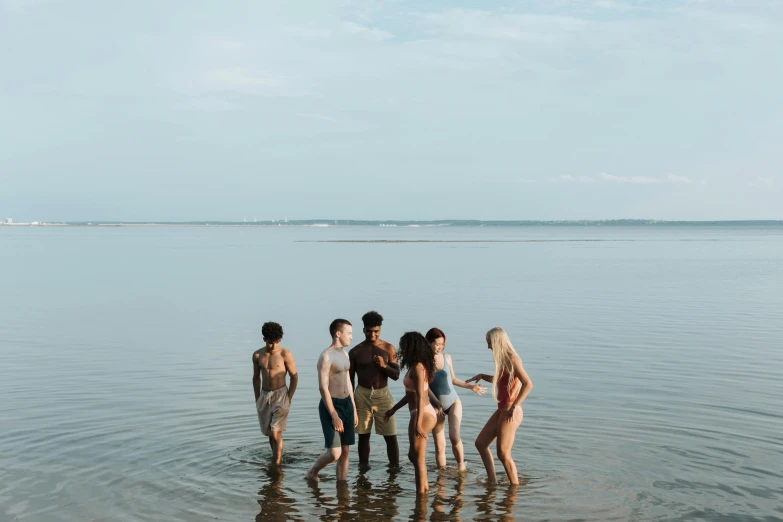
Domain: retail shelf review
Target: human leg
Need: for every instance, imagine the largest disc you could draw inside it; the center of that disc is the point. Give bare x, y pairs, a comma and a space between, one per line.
455, 419
342, 463
276, 443
439, 434
420, 453
506, 432
486, 436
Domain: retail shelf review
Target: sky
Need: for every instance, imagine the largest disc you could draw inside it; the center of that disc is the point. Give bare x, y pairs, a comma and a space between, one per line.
396, 109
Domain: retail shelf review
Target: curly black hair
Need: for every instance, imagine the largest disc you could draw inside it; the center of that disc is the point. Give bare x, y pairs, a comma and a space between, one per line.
414, 348
371, 319
272, 332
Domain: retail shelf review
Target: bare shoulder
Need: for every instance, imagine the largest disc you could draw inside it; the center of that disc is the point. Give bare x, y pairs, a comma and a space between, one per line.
257, 354
388, 347
359, 347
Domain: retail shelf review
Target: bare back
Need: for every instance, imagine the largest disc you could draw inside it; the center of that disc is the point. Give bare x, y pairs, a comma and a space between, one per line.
333, 366
272, 367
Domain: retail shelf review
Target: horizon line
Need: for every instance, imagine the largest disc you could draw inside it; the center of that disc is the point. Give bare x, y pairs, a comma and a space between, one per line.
442, 222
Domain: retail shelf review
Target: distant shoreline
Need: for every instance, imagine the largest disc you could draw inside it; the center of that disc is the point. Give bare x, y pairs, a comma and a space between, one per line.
315, 223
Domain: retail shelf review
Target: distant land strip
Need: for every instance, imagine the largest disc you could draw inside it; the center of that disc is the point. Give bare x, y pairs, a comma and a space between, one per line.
404, 223
489, 240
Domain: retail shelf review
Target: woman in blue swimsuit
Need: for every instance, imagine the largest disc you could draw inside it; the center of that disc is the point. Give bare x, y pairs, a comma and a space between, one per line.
442, 387
443, 396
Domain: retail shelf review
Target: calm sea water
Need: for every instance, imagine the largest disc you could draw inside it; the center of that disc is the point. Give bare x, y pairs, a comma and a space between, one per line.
125, 370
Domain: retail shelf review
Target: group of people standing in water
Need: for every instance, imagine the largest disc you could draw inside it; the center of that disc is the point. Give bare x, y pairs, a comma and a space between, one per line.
347, 408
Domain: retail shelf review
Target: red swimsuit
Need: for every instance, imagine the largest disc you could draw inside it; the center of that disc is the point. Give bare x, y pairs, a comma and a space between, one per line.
503, 396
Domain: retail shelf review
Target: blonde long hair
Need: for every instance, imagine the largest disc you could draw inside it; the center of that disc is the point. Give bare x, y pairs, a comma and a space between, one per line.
503, 353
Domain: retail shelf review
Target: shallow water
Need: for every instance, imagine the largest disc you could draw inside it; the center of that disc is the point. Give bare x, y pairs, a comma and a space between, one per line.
655, 352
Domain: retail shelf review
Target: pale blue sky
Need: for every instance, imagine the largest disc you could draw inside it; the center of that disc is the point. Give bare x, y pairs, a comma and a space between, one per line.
535, 109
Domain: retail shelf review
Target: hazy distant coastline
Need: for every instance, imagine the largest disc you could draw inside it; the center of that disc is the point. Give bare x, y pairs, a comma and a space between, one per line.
403, 223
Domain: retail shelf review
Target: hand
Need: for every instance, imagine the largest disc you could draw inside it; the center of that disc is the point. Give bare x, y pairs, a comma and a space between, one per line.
420, 432
337, 422
388, 415
507, 413
478, 389
476, 378
380, 361
355, 418
440, 412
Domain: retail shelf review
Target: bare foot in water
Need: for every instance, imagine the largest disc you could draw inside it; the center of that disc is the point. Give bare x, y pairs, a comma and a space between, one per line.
311, 477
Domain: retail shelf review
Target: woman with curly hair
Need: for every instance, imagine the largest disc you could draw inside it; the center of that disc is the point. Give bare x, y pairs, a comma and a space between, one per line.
443, 396
416, 354
510, 386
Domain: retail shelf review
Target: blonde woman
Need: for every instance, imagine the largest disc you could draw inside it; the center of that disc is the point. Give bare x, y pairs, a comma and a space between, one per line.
510, 386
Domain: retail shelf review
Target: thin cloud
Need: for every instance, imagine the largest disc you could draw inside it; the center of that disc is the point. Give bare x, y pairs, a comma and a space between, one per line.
525, 181
371, 33
644, 180
570, 179
308, 32
763, 182
230, 45
249, 81
678, 179
638, 180
315, 116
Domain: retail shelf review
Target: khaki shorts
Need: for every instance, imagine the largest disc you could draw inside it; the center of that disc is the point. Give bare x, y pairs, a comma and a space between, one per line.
373, 405
272, 407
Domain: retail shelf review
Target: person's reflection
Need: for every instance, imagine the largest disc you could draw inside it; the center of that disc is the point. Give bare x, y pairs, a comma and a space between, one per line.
443, 506
336, 506
275, 504
506, 504
485, 502
419, 508
376, 501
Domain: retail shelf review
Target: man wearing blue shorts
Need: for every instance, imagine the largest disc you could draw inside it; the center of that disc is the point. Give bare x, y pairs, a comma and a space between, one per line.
337, 409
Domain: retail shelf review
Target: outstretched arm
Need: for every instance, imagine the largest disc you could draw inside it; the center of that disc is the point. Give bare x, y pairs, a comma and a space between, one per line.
475, 388
402, 402
481, 377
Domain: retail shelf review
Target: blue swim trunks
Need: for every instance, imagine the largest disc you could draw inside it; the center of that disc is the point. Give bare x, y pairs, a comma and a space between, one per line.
332, 437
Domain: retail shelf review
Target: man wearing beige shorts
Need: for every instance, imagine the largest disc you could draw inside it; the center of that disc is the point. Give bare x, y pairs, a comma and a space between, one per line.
374, 361
273, 398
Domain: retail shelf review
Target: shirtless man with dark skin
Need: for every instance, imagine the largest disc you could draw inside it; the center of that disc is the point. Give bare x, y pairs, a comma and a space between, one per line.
374, 361
273, 399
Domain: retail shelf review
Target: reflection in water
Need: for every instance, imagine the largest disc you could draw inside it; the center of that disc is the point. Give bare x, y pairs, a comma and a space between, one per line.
276, 506
334, 506
493, 508
419, 508
506, 504
377, 501
443, 506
